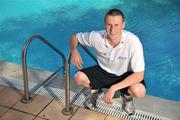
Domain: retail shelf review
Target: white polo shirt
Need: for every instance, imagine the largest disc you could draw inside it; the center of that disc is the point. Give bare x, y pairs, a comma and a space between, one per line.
126, 56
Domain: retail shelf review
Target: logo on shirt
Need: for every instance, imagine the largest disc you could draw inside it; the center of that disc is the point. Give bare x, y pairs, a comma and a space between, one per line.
122, 58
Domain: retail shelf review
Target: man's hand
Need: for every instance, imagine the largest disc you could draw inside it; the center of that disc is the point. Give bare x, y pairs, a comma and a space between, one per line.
109, 95
76, 59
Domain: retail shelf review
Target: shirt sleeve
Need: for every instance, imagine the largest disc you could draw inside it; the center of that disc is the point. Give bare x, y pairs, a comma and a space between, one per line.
137, 59
85, 38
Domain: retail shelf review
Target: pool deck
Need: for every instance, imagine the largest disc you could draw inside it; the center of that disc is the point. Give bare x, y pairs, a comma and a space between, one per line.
43, 107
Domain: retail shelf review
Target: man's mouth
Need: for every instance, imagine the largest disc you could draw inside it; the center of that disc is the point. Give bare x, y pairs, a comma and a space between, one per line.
112, 34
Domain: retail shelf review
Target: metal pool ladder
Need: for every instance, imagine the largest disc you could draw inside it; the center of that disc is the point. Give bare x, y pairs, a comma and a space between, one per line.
27, 95
68, 108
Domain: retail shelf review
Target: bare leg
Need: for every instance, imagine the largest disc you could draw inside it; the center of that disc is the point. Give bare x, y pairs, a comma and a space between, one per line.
81, 79
138, 90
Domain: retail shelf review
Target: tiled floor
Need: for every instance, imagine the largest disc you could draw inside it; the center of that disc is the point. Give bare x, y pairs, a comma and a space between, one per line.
16, 115
38, 103
3, 110
87, 115
1, 88
41, 108
9, 97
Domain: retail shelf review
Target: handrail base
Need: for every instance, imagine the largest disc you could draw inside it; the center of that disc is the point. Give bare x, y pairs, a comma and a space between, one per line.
25, 100
66, 112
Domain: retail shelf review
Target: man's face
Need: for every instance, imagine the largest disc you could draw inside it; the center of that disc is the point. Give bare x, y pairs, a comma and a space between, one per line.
114, 26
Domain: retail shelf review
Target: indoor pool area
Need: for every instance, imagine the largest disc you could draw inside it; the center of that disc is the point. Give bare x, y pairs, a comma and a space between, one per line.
36, 74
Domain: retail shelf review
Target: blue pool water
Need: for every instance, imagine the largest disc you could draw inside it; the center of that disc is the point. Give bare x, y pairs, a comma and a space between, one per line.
156, 22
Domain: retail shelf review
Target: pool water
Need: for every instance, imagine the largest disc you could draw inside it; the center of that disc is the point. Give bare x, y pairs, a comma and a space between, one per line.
156, 22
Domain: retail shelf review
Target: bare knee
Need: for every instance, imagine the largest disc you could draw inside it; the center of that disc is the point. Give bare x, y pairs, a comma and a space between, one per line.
81, 79
78, 78
138, 90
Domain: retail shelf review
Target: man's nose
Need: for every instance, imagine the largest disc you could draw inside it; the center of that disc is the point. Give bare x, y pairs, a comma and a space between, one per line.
112, 28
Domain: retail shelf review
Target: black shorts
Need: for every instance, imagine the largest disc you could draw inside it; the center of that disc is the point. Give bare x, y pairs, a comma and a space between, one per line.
99, 78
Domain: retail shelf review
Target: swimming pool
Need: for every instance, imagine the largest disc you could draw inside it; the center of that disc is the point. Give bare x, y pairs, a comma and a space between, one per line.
156, 22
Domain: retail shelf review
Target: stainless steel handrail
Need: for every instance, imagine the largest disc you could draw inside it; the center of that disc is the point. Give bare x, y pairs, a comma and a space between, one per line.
68, 108
89, 53
27, 98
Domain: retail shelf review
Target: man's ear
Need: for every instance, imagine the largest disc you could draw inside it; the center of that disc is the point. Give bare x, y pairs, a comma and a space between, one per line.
123, 24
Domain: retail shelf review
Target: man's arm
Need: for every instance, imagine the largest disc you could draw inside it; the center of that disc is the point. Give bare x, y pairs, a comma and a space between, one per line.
75, 56
134, 78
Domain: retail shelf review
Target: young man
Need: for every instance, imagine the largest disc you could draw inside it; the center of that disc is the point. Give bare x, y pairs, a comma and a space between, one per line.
120, 62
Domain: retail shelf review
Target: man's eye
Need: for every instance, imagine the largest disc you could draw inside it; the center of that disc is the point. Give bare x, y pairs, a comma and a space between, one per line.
109, 25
